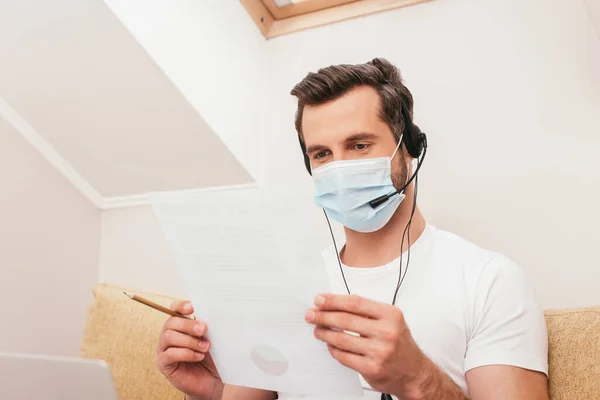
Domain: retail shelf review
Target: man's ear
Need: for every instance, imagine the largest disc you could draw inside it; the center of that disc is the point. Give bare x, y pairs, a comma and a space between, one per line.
412, 164
407, 159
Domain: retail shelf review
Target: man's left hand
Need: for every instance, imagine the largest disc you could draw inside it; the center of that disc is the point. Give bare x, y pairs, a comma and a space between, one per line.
381, 349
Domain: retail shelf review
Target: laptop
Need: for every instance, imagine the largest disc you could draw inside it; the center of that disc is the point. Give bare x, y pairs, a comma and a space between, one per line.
38, 377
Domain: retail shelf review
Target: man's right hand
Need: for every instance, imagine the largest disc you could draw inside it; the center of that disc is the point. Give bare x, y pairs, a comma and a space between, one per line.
183, 357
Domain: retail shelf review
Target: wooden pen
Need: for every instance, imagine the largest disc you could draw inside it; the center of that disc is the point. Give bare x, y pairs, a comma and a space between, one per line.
158, 307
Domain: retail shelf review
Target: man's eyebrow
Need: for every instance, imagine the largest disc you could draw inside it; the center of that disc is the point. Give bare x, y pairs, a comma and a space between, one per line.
361, 136
314, 148
356, 137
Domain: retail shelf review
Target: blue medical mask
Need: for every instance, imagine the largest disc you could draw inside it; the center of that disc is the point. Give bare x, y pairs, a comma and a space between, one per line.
345, 188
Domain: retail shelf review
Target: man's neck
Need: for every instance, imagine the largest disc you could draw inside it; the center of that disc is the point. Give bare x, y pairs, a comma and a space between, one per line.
378, 248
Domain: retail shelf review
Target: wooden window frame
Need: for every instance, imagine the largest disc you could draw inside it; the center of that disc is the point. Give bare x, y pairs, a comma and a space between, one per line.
274, 21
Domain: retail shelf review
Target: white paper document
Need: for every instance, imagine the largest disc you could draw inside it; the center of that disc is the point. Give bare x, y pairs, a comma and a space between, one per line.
252, 268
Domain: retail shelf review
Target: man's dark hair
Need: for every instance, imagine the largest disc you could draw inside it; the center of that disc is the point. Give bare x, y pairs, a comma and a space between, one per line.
332, 82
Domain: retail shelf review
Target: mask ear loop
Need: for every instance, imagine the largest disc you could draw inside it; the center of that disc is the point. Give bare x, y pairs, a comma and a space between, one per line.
397, 147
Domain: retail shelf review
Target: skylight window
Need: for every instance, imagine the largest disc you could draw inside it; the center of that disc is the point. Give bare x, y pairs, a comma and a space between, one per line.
280, 17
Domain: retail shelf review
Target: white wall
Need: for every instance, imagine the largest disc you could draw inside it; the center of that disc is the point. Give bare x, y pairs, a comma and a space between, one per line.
213, 54
134, 253
593, 7
49, 249
594, 41
504, 90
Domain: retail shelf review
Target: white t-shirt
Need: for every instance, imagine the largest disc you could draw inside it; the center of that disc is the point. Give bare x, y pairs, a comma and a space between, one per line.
465, 306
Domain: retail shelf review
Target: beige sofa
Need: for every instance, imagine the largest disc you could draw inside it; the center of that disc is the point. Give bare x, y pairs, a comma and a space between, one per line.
125, 333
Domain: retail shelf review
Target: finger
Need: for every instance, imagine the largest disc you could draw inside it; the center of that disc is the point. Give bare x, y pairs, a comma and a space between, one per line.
350, 360
187, 326
344, 341
342, 321
171, 338
176, 355
183, 307
352, 304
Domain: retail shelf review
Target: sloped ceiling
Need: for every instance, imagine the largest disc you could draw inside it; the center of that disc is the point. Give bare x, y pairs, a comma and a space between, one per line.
80, 80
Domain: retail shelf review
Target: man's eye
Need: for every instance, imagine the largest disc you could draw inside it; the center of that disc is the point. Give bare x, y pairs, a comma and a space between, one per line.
361, 146
321, 154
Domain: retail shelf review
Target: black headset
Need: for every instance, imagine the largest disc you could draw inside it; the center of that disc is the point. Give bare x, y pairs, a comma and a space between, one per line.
414, 140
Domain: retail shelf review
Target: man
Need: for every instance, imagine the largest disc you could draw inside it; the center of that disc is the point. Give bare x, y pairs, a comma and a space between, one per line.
460, 323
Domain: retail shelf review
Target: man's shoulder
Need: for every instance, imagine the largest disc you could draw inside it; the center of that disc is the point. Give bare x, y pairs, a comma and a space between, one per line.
454, 249
482, 271
457, 247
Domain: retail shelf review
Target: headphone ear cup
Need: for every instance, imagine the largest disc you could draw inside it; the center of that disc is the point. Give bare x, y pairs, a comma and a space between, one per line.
412, 133
423, 141
414, 142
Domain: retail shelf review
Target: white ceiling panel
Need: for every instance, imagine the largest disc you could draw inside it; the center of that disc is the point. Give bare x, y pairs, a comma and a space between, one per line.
83, 83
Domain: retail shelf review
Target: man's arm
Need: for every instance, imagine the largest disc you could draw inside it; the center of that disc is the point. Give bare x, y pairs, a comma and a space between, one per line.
238, 392
231, 392
507, 352
433, 384
503, 382
490, 382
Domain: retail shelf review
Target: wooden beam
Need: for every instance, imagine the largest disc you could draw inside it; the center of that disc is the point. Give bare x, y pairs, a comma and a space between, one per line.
272, 7
334, 14
259, 14
303, 7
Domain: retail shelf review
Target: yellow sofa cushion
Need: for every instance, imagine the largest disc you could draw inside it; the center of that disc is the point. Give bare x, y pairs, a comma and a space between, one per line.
125, 334
574, 353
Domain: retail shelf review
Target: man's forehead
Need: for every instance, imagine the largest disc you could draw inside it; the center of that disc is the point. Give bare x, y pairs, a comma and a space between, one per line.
362, 99
357, 111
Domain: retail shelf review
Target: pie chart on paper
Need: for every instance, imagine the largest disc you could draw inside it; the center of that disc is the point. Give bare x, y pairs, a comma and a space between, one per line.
269, 360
